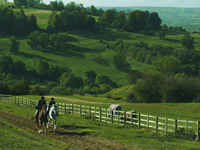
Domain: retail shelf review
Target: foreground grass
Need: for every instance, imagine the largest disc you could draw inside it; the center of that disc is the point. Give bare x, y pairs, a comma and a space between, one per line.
14, 138
129, 135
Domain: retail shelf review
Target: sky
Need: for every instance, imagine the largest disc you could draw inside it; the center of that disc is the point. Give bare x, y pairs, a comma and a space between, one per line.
115, 3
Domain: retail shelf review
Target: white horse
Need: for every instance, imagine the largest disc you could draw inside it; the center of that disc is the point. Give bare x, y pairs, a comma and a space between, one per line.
52, 116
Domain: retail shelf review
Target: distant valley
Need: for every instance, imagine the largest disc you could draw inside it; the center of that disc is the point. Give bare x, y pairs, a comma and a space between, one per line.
188, 18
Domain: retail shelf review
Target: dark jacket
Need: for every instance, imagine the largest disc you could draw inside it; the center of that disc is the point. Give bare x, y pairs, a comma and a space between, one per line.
40, 103
51, 102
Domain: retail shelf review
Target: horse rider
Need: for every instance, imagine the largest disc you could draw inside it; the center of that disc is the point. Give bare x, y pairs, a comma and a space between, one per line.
50, 104
39, 106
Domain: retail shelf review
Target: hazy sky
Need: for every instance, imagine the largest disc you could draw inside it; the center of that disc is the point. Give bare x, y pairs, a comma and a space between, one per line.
166, 3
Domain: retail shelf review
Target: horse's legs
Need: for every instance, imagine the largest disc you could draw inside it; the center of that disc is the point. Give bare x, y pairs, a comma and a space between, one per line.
54, 123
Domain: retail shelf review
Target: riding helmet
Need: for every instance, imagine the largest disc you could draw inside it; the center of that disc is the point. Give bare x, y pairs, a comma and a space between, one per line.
52, 98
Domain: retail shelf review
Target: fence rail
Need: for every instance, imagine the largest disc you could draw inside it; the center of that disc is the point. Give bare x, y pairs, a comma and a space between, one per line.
158, 124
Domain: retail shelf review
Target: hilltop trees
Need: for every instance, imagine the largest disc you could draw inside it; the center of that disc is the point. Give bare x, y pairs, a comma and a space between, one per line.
15, 24
133, 21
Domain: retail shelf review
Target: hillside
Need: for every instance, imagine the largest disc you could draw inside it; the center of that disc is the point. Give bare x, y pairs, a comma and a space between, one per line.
83, 49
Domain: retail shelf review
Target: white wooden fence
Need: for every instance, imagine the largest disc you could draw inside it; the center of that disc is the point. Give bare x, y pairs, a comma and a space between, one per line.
158, 124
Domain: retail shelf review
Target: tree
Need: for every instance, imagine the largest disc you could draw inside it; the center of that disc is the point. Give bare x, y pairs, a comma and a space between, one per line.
43, 39
70, 80
14, 44
93, 10
148, 90
187, 41
120, 61
19, 68
6, 64
56, 21
102, 79
160, 34
34, 41
54, 5
32, 23
167, 64
42, 68
154, 20
20, 87
133, 76
108, 17
90, 23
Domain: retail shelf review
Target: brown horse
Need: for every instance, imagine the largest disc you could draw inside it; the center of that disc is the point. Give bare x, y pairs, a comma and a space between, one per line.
42, 117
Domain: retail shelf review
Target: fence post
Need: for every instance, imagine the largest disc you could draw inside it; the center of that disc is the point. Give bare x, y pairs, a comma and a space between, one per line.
175, 126
186, 126
166, 125
95, 113
26, 101
72, 108
85, 110
147, 121
22, 101
90, 112
138, 121
112, 116
197, 130
58, 108
156, 123
80, 111
106, 115
76, 108
65, 109
100, 114
118, 118
68, 108
18, 100
124, 117
15, 99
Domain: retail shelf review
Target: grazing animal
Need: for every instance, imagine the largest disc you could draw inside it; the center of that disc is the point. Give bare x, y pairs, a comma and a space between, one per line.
129, 115
52, 115
115, 108
42, 118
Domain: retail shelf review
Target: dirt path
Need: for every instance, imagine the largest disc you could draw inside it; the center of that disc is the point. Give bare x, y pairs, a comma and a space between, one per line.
73, 138
74, 100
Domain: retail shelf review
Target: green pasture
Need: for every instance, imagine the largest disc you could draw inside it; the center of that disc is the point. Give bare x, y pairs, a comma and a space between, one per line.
41, 15
128, 134
180, 111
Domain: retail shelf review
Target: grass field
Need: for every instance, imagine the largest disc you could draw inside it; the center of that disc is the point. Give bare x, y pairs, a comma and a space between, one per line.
128, 135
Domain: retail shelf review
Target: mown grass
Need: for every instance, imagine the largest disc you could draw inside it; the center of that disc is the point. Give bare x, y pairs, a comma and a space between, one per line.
129, 135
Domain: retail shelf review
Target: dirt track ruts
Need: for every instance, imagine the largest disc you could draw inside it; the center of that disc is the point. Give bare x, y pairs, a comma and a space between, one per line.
71, 137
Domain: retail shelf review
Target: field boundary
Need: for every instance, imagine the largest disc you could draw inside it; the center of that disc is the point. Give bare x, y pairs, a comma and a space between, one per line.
121, 118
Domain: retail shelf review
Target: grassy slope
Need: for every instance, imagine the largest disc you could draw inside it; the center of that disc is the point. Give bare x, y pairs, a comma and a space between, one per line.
138, 137
79, 53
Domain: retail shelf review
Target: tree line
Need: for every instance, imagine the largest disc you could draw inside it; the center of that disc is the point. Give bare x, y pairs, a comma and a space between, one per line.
16, 23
